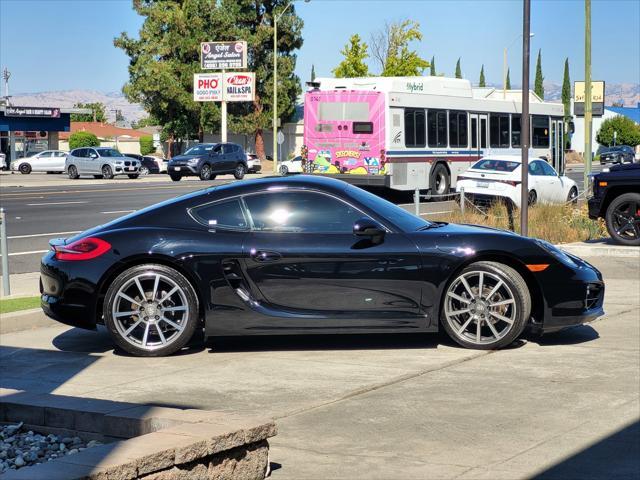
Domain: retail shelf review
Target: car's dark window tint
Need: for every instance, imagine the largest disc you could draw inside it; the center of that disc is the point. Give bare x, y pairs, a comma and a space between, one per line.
535, 168
301, 212
81, 153
496, 165
224, 214
548, 169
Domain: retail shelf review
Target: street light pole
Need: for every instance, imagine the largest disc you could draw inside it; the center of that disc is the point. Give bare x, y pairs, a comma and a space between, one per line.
524, 192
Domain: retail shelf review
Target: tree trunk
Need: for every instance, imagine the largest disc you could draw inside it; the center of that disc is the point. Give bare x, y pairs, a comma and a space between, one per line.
259, 144
170, 149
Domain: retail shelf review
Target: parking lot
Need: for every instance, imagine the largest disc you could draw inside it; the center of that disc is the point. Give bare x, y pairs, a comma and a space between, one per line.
392, 407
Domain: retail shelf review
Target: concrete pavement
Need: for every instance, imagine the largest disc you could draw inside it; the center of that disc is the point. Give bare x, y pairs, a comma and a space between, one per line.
392, 407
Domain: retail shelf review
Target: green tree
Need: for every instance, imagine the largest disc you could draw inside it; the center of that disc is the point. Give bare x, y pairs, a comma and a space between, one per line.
566, 99
83, 139
482, 82
458, 69
508, 84
432, 67
538, 83
98, 113
628, 132
164, 57
148, 121
146, 145
353, 64
390, 49
313, 72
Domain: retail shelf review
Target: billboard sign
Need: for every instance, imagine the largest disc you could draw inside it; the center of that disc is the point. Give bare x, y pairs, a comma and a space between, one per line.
207, 87
597, 98
32, 112
239, 87
223, 55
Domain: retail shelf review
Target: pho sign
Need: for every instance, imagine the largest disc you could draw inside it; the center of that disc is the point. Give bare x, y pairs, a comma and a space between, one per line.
597, 98
223, 55
207, 87
239, 87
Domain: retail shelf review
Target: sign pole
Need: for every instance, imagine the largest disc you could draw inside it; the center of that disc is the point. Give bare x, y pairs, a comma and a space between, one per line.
223, 112
524, 192
587, 92
275, 94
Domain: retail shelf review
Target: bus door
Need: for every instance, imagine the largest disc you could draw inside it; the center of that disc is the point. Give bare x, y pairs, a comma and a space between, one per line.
479, 132
557, 147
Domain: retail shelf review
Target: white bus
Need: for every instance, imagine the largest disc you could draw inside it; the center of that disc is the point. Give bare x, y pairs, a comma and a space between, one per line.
420, 132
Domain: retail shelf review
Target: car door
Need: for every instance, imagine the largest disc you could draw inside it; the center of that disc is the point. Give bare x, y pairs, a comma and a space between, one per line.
40, 162
541, 183
230, 156
308, 271
558, 190
216, 158
57, 163
78, 159
92, 162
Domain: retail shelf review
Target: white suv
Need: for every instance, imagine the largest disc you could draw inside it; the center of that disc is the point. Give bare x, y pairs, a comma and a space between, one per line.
101, 162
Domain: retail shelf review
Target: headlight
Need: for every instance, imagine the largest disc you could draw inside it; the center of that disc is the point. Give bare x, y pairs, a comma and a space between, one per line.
119, 162
556, 252
193, 161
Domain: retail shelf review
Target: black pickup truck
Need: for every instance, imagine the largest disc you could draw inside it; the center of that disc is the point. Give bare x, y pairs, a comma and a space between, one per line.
616, 198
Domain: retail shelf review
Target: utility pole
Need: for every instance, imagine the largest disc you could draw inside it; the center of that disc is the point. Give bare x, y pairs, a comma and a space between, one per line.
587, 92
524, 192
275, 89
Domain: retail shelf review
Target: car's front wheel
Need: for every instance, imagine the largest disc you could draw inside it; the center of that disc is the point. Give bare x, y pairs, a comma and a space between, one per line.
151, 310
486, 306
205, 172
107, 172
25, 169
240, 171
176, 177
284, 170
623, 219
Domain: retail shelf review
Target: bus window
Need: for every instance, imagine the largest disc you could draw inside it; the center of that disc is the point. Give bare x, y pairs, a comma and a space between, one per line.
474, 133
515, 130
483, 133
540, 131
437, 126
499, 130
414, 127
362, 127
458, 129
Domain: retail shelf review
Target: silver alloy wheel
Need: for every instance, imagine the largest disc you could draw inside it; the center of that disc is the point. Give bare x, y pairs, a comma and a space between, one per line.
150, 311
480, 307
144, 171
441, 182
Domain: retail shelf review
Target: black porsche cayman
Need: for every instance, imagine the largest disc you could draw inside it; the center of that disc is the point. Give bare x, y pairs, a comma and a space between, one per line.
308, 255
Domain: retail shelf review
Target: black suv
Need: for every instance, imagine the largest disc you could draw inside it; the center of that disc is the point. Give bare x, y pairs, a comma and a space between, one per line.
617, 154
206, 160
616, 198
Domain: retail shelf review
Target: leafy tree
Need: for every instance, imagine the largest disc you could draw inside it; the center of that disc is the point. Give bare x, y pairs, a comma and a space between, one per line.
145, 122
146, 145
628, 131
313, 72
166, 55
353, 65
98, 113
83, 139
432, 67
508, 85
458, 69
482, 82
390, 48
566, 99
538, 86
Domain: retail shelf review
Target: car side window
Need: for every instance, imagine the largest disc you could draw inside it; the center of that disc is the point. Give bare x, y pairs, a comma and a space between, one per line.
80, 153
91, 152
217, 150
548, 169
300, 212
46, 154
535, 168
226, 214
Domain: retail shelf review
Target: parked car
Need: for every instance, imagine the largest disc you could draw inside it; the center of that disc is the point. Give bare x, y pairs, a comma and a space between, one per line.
101, 162
45, 161
3, 161
308, 254
616, 198
207, 160
291, 166
160, 162
499, 177
617, 154
148, 164
253, 163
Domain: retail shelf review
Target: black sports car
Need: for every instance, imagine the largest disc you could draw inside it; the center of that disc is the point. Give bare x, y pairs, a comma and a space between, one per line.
300, 255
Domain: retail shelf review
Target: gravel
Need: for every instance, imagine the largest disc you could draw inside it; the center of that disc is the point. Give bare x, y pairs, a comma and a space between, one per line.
20, 448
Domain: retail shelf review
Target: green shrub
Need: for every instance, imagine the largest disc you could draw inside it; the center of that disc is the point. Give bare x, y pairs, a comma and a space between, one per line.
83, 139
146, 145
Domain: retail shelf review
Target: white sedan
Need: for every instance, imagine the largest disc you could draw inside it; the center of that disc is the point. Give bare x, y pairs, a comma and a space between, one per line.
500, 177
46, 161
291, 166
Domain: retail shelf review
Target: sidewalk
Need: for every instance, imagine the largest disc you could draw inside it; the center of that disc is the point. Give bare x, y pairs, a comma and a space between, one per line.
23, 285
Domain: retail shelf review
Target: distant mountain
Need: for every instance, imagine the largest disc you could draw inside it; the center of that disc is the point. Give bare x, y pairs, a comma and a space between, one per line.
68, 98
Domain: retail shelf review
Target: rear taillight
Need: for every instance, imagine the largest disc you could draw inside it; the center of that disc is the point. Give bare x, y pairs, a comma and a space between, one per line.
83, 249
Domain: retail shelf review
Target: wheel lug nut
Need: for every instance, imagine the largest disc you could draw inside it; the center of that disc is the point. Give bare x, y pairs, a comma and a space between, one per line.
157, 317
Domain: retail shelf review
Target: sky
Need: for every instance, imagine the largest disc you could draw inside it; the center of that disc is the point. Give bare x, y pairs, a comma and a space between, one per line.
68, 44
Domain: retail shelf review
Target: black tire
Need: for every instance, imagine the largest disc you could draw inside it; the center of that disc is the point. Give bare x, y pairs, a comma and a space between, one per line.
107, 172
240, 171
133, 176
573, 196
72, 172
144, 171
440, 180
533, 198
191, 320
514, 286
25, 168
284, 170
175, 177
97, 177
205, 172
623, 219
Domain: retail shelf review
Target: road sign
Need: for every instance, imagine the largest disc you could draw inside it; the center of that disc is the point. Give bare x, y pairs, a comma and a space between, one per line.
239, 86
280, 137
223, 55
597, 98
207, 87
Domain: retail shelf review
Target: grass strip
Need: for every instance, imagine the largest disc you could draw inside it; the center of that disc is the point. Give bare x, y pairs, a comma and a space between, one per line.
15, 304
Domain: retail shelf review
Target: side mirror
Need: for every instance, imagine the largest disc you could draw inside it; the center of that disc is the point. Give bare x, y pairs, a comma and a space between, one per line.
365, 227
93, 155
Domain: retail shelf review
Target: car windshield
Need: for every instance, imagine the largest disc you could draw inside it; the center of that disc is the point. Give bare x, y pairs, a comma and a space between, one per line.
110, 152
199, 149
496, 165
390, 211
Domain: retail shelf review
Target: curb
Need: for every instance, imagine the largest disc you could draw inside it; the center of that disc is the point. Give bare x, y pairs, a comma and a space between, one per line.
582, 250
24, 320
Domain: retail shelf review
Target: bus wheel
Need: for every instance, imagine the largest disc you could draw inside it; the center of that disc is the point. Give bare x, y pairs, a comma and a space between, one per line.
440, 180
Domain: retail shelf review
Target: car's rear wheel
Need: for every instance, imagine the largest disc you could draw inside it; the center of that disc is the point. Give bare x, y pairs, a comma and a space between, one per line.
240, 171
175, 177
144, 171
25, 169
440, 181
72, 172
486, 306
573, 196
151, 310
205, 172
623, 219
533, 198
107, 173
284, 170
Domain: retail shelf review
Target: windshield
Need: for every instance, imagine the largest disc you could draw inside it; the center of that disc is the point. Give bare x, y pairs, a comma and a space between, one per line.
390, 211
496, 165
199, 149
110, 152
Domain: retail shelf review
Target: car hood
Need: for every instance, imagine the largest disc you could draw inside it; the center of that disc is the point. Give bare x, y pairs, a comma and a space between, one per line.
182, 158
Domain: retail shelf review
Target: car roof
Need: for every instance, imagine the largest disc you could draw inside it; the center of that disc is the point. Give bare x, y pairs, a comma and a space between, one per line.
509, 158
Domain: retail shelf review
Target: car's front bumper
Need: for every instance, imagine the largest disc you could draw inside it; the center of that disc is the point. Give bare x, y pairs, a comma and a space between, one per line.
594, 204
183, 169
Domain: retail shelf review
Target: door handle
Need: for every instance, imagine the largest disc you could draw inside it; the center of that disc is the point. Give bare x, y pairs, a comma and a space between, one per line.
264, 256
